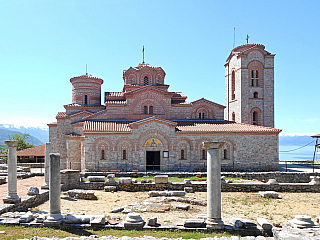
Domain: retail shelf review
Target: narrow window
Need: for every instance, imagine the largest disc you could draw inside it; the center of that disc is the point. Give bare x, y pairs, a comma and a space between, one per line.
203, 115
182, 154
85, 99
255, 95
199, 115
150, 110
102, 154
233, 116
225, 154
124, 154
255, 118
254, 78
204, 156
233, 86
145, 110
146, 80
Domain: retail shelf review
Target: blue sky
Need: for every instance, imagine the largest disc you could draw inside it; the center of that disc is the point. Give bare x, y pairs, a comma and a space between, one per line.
45, 43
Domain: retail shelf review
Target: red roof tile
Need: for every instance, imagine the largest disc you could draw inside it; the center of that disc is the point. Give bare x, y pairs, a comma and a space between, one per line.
38, 151
316, 136
221, 126
61, 115
88, 76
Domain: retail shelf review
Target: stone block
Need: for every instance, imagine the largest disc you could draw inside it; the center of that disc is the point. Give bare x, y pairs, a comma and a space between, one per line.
272, 181
82, 194
77, 219
194, 223
116, 210
143, 181
187, 181
96, 178
134, 180
269, 194
28, 217
183, 207
264, 223
161, 179
97, 220
125, 180
315, 180
176, 193
111, 176
110, 188
152, 221
236, 222
149, 180
189, 189
33, 191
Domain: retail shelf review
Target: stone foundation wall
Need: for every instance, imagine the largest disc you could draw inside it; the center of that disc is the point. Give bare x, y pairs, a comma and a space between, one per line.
202, 187
26, 202
70, 179
281, 177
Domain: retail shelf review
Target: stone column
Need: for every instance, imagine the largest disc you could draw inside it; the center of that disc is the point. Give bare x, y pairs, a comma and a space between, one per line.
55, 216
214, 220
46, 166
12, 173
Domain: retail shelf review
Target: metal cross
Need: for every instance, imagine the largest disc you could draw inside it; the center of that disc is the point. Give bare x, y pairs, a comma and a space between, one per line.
143, 54
247, 39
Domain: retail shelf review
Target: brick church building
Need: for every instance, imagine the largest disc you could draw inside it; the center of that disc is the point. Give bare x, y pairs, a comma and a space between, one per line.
147, 127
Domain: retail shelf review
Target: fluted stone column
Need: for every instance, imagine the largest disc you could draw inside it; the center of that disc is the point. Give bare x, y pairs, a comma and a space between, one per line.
12, 173
214, 220
46, 166
55, 216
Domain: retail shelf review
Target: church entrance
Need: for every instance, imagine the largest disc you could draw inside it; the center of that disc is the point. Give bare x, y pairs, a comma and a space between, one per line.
153, 160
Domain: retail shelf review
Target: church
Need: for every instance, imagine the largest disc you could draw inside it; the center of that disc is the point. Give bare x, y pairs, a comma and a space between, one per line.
146, 127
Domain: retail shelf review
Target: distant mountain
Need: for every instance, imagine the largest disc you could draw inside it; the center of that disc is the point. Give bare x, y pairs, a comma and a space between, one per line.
4, 135
39, 133
295, 140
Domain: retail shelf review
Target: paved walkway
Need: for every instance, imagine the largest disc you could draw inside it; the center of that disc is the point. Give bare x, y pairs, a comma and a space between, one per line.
22, 186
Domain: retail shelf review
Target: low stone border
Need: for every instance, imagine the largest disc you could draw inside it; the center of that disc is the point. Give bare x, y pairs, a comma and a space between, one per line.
26, 202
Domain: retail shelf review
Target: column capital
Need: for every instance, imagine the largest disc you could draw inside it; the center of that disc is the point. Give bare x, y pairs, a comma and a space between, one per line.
11, 143
213, 145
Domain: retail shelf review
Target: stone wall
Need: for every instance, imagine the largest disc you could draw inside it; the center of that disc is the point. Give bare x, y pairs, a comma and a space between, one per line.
202, 187
26, 202
70, 179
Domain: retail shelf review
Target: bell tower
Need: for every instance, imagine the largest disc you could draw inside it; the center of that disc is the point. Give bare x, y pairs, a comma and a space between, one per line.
249, 85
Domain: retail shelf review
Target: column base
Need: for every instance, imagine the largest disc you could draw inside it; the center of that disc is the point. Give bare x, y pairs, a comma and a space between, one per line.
45, 186
215, 224
53, 220
12, 199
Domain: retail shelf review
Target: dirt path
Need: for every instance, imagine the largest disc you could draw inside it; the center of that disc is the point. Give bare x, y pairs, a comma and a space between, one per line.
22, 186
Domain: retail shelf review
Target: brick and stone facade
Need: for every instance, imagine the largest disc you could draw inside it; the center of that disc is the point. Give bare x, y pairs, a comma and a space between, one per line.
147, 127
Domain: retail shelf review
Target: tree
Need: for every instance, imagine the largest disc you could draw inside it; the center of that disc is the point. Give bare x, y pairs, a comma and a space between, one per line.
22, 144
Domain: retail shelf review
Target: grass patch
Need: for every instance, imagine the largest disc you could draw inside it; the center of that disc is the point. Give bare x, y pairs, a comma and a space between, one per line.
18, 232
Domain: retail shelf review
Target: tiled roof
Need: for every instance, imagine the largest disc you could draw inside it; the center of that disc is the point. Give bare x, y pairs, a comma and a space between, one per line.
61, 115
73, 134
192, 125
142, 65
86, 76
221, 126
179, 95
38, 151
203, 99
106, 126
316, 136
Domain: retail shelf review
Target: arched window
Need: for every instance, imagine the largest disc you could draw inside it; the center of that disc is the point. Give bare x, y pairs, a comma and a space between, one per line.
124, 154
254, 78
202, 115
255, 118
225, 154
146, 80
203, 155
102, 154
145, 110
233, 116
182, 154
233, 86
85, 99
151, 110
255, 95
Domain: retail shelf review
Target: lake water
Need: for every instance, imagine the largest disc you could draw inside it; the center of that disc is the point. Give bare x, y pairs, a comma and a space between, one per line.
305, 153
